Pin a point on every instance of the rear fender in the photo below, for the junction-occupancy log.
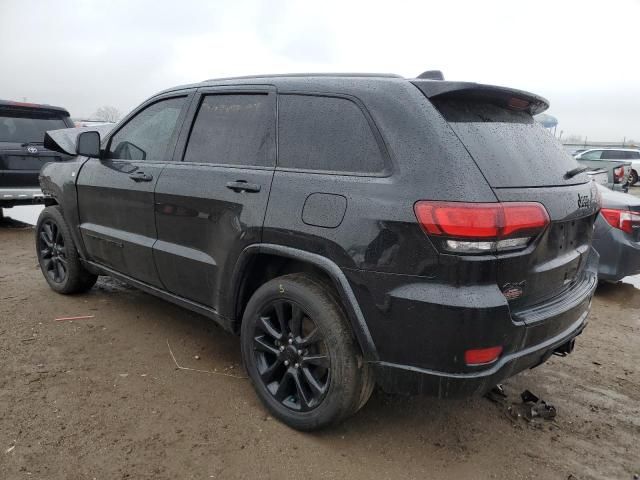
(349, 301)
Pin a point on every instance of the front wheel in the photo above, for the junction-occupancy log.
(57, 254)
(300, 354)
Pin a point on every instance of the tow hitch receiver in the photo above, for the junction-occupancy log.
(565, 349)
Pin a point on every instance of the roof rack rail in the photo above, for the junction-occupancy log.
(280, 75)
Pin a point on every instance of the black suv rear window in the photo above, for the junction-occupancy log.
(509, 146)
(327, 134)
(22, 127)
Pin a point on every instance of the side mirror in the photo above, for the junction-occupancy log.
(88, 144)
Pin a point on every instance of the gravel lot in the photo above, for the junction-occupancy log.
(102, 398)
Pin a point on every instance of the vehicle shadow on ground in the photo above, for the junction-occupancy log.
(8, 222)
(385, 414)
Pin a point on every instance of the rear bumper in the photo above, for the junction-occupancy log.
(10, 197)
(421, 330)
(410, 380)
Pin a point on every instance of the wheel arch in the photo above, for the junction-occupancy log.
(261, 262)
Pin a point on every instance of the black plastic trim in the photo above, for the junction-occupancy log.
(358, 323)
(163, 294)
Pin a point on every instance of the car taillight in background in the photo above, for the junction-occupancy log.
(618, 174)
(624, 220)
(481, 227)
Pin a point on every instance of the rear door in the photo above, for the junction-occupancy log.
(21, 137)
(211, 200)
(524, 163)
(116, 193)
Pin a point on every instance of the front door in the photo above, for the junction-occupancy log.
(211, 201)
(116, 193)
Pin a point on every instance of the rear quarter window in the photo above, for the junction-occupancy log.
(510, 147)
(329, 134)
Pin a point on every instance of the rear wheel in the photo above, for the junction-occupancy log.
(57, 255)
(633, 177)
(300, 354)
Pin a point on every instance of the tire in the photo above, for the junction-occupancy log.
(309, 373)
(57, 255)
(633, 178)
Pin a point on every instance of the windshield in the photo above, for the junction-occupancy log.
(21, 127)
(510, 147)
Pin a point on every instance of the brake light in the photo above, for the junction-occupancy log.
(618, 174)
(482, 227)
(482, 356)
(516, 103)
(621, 219)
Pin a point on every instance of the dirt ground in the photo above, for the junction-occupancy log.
(102, 398)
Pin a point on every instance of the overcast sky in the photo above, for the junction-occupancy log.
(583, 56)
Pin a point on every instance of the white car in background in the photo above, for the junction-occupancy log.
(623, 154)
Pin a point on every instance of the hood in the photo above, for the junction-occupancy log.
(65, 139)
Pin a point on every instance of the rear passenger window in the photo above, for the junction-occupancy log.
(613, 155)
(327, 134)
(234, 129)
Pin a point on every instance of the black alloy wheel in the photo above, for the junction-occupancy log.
(57, 254)
(301, 354)
(291, 355)
(52, 251)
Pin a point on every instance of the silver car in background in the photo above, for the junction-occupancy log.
(614, 161)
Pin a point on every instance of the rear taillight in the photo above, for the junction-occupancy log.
(481, 227)
(621, 219)
(618, 174)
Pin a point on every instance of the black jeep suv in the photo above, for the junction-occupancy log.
(22, 154)
(424, 235)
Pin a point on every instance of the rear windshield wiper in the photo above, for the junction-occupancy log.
(575, 171)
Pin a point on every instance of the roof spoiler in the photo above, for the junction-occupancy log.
(506, 97)
(33, 106)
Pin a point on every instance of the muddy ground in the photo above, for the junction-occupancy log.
(102, 398)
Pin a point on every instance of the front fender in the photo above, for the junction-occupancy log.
(58, 181)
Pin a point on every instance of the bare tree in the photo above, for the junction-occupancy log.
(107, 113)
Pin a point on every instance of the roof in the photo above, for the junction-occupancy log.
(336, 82)
(32, 106)
(617, 149)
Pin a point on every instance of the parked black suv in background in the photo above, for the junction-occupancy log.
(325, 219)
(22, 154)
